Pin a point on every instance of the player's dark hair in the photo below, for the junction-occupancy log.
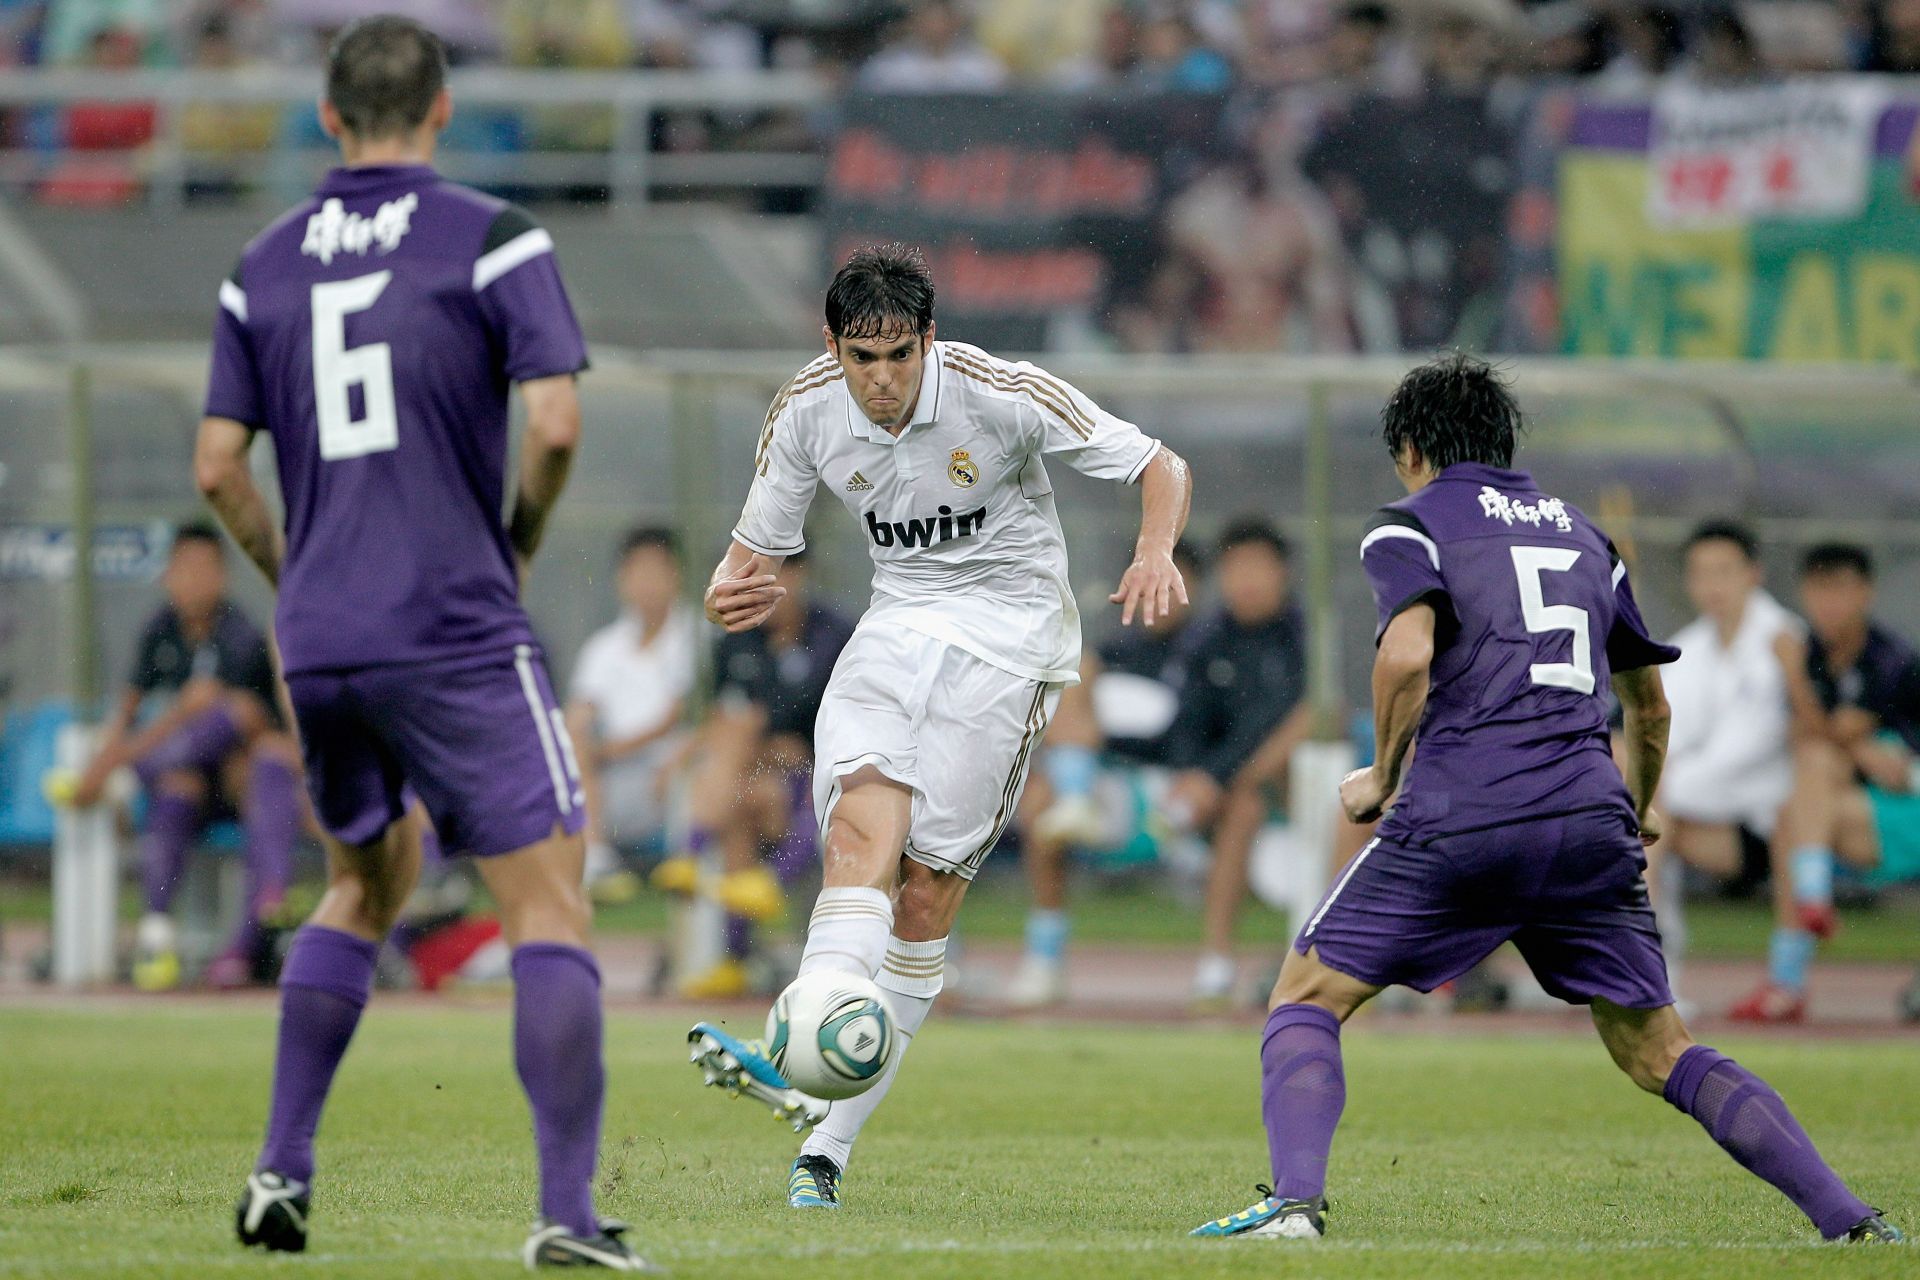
(1249, 531)
(882, 289)
(383, 74)
(1725, 531)
(1837, 557)
(198, 531)
(1454, 408)
(640, 537)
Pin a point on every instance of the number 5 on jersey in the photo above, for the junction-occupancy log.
(1528, 564)
(337, 369)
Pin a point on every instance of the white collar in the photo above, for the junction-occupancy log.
(925, 407)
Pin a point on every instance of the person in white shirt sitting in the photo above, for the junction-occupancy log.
(1735, 692)
(625, 709)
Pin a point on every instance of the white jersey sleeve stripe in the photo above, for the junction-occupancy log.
(753, 544)
(1619, 572)
(522, 248)
(1153, 451)
(234, 299)
(1401, 531)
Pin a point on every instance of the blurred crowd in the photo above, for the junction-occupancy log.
(942, 45)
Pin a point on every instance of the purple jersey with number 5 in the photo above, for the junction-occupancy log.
(374, 332)
(1533, 615)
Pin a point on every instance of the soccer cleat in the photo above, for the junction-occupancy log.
(1271, 1219)
(727, 980)
(1771, 1006)
(814, 1183)
(677, 875)
(741, 1067)
(1039, 984)
(273, 1213)
(1818, 919)
(552, 1245)
(753, 893)
(1875, 1230)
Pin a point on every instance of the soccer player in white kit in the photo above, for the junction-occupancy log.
(938, 702)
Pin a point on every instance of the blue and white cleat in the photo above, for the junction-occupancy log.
(1271, 1219)
(813, 1184)
(742, 1067)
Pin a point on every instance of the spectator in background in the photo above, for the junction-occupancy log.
(1650, 41)
(1736, 691)
(1173, 59)
(932, 52)
(1111, 60)
(74, 27)
(1724, 52)
(1364, 52)
(1034, 39)
(106, 142)
(199, 723)
(1855, 777)
(1103, 777)
(624, 710)
(1242, 712)
(753, 776)
(1893, 37)
(223, 139)
(1567, 39)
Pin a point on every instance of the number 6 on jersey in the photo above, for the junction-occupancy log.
(338, 368)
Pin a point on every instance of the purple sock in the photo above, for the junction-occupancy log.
(1744, 1115)
(272, 821)
(795, 852)
(323, 988)
(739, 937)
(556, 1047)
(172, 820)
(1303, 1089)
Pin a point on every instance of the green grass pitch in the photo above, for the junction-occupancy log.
(1008, 1149)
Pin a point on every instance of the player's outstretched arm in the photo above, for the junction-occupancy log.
(1402, 670)
(220, 469)
(553, 433)
(1643, 704)
(1151, 583)
(742, 592)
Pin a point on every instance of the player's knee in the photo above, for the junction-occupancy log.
(1822, 762)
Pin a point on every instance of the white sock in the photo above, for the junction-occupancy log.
(848, 932)
(911, 977)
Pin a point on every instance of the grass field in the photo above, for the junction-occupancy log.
(1007, 1150)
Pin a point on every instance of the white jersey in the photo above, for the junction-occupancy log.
(957, 509)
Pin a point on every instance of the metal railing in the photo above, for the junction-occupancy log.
(629, 165)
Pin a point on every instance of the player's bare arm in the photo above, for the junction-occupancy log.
(1401, 674)
(1803, 703)
(1643, 704)
(113, 751)
(220, 470)
(742, 592)
(553, 433)
(1152, 582)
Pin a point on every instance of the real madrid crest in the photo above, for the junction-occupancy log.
(962, 471)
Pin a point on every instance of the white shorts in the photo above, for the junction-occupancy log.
(959, 731)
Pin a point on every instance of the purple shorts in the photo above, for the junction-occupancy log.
(1567, 891)
(481, 740)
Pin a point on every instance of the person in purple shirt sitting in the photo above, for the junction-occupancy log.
(1504, 616)
(373, 331)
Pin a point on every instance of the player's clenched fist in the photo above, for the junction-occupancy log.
(741, 598)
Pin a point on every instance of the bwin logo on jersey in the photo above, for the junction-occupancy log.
(944, 527)
(334, 231)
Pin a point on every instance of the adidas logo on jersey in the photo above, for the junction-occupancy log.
(928, 530)
(334, 231)
(859, 484)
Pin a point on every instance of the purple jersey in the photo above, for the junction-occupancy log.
(374, 331)
(1534, 613)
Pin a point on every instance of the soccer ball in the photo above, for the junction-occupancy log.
(831, 1034)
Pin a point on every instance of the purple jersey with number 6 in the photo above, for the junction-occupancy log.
(1533, 615)
(374, 332)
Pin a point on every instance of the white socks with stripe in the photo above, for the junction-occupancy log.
(911, 976)
(848, 932)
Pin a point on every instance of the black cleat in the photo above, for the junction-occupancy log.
(552, 1245)
(273, 1213)
(1875, 1230)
